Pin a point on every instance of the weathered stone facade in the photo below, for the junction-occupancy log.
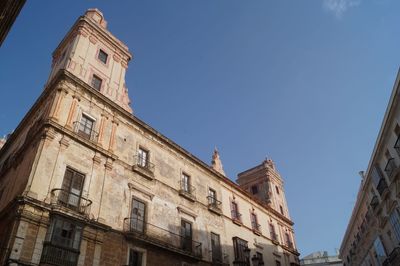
(84, 182)
(373, 234)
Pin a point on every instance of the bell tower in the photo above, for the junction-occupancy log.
(265, 183)
(93, 54)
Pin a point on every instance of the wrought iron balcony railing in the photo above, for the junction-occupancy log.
(220, 259)
(382, 186)
(374, 202)
(274, 236)
(187, 190)
(214, 204)
(84, 132)
(394, 258)
(397, 145)
(153, 234)
(390, 167)
(236, 216)
(256, 227)
(144, 163)
(64, 198)
(57, 255)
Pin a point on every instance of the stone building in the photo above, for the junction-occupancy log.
(9, 11)
(85, 182)
(321, 258)
(373, 234)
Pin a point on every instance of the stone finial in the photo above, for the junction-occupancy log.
(216, 162)
(269, 162)
(97, 16)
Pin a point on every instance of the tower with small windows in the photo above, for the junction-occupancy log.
(90, 52)
(264, 182)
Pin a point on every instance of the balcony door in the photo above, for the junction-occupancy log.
(72, 188)
(216, 248)
(138, 215)
(186, 235)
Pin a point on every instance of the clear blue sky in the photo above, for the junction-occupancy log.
(303, 82)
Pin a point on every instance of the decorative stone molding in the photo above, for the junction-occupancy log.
(64, 142)
(187, 212)
(109, 164)
(145, 192)
(97, 159)
(117, 58)
(49, 134)
(93, 39)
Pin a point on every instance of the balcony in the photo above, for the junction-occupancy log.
(187, 191)
(214, 205)
(236, 217)
(56, 255)
(394, 258)
(151, 234)
(221, 259)
(397, 146)
(374, 202)
(256, 228)
(143, 167)
(390, 167)
(274, 238)
(66, 199)
(83, 131)
(382, 186)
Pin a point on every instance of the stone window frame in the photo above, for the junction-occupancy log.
(82, 113)
(106, 52)
(138, 249)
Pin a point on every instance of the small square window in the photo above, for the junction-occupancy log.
(96, 82)
(277, 190)
(254, 189)
(102, 56)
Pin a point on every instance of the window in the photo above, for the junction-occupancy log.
(278, 263)
(71, 190)
(138, 215)
(143, 158)
(277, 190)
(395, 221)
(212, 196)
(272, 232)
(254, 189)
(186, 237)
(281, 209)
(259, 255)
(62, 242)
(380, 251)
(135, 258)
(85, 128)
(240, 249)
(254, 222)
(235, 211)
(185, 183)
(216, 248)
(288, 241)
(96, 82)
(102, 56)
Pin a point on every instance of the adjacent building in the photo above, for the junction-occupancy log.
(85, 182)
(321, 258)
(9, 10)
(373, 234)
